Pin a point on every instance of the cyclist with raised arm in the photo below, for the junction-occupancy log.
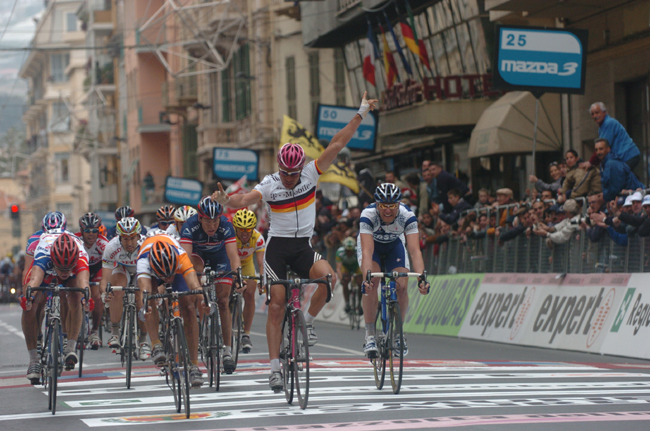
(60, 258)
(119, 269)
(162, 260)
(385, 227)
(249, 242)
(208, 237)
(290, 196)
(347, 268)
(94, 244)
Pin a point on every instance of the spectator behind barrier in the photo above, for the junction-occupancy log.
(563, 230)
(458, 205)
(615, 175)
(445, 182)
(483, 199)
(556, 175)
(578, 182)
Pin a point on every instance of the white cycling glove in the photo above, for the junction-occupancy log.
(221, 197)
(364, 109)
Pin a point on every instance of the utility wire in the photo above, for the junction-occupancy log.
(13, 9)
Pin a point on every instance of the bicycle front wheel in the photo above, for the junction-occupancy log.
(128, 347)
(286, 358)
(353, 302)
(53, 365)
(82, 340)
(395, 346)
(214, 349)
(301, 359)
(379, 363)
(182, 371)
(237, 328)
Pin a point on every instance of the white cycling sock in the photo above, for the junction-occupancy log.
(309, 319)
(72, 344)
(33, 356)
(228, 351)
(275, 365)
(370, 330)
(142, 338)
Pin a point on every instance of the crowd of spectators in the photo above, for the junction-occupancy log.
(601, 197)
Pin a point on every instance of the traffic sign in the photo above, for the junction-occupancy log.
(541, 60)
(232, 164)
(183, 191)
(331, 119)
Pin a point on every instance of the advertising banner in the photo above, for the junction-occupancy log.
(232, 163)
(183, 191)
(630, 329)
(331, 119)
(443, 310)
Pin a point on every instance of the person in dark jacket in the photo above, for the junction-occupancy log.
(597, 211)
(639, 221)
(519, 228)
(615, 175)
(445, 182)
(458, 205)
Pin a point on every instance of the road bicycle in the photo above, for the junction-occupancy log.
(236, 304)
(354, 301)
(52, 352)
(83, 340)
(128, 328)
(294, 349)
(388, 327)
(262, 288)
(177, 368)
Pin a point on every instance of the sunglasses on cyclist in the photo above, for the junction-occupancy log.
(241, 229)
(95, 230)
(164, 223)
(383, 206)
(289, 174)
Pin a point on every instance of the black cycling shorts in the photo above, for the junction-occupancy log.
(294, 252)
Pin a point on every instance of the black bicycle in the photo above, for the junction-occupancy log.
(177, 368)
(128, 328)
(52, 352)
(236, 304)
(294, 349)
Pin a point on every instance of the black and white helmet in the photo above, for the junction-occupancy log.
(89, 221)
(388, 193)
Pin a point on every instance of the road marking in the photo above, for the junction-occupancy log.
(12, 329)
(328, 346)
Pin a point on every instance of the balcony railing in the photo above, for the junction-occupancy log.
(182, 92)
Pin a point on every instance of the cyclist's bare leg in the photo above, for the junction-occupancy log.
(274, 320)
(65, 320)
(197, 263)
(223, 298)
(98, 310)
(151, 322)
(30, 320)
(190, 326)
(117, 302)
(249, 304)
(320, 269)
(402, 292)
(370, 300)
(74, 311)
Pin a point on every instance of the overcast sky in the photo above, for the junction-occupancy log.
(19, 33)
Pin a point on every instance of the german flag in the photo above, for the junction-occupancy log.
(296, 203)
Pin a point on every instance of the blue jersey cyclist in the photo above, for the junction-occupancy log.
(209, 238)
(385, 227)
(290, 197)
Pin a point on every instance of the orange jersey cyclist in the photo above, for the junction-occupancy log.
(289, 194)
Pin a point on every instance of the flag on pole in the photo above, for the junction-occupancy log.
(369, 59)
(422, 49)
(389, 61)
(406, 64)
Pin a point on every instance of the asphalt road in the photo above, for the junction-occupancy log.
(448, 383)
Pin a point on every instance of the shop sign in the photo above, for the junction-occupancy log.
(541, 60)
(437, 88)
(331, 119)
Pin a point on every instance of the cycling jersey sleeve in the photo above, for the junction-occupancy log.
(366, 224)
(184, 265)
(260, 244)
(311, 171)
(228, 231)
(411, 225)
(264, 188)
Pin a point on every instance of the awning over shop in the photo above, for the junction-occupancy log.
(506, 127)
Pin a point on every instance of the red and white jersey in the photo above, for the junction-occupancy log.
(115, 255)
(96, 251)
(42, 256)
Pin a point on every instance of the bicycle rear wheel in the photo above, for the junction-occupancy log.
(396, 353)
(182, 360)
(237, 328)
(53, 365)
(379, 363)
(285, 358)
(301, 359)
(214, 349)
(128, 348)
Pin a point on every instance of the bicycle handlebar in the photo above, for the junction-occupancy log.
(393, 275)
(57, 288)
(327, 281)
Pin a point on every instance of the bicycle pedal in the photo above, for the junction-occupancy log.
(277, 391)
(245, 350)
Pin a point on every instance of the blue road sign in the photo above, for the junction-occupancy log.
(331, 119)
(183, 191)
(232, 164)
(543, 60)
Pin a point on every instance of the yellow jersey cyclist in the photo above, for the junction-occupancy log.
(163, 260)
(347, 267)
(249, 242)
(387, 229)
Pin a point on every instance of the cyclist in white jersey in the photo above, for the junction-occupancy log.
(119, 267)
(290, 197)
(384, 228)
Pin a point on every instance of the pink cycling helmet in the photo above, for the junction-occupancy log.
(291, 156)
